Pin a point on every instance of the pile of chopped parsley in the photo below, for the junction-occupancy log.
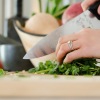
(2, 72)
(85, 66)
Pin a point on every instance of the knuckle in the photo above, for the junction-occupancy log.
(86, 30)
(85, 48)
(60, 40)
(63, 48)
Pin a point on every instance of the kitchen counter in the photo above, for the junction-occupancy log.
(4, 40)
(25, 85)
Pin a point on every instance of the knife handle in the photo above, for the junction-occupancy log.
(94, 9)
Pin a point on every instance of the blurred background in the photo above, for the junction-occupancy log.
(8, 9)
(14, 43)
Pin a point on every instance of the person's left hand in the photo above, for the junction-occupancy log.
(85, 44)
(86, 3)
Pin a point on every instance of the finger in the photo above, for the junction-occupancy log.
(68, 37)
(57, 48)
(65, 39)
(74, 55)
(86, 3)
(64, 49)
(99, 10)
(47, 49)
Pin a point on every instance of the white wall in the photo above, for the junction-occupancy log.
(77, 0)
(9, 8)
(27, 8)
(32, 6)
(1, 16)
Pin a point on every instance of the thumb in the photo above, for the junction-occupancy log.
(99, 10)
(86, 3)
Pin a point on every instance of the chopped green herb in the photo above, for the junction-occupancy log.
(21, 75)
(2, 72)
(55, 76)
(85, 66)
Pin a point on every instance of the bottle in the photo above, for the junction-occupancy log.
(11, 32)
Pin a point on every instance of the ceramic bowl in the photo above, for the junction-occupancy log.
(11, 58)
(29, 40)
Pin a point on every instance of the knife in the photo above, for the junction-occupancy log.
(48, 44)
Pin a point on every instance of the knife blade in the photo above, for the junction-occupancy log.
(48, 44)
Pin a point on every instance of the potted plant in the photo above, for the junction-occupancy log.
(54, 7)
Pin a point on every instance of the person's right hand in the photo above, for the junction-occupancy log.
(85, 44)
(86, 3)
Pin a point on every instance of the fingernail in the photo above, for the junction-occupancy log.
(83, 7)
(99, 10)
(65, 60)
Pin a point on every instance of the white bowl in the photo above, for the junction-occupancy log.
(29, 40)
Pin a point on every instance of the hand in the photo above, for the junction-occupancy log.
(86, 44)
(88, 3)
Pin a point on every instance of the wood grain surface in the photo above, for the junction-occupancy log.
(29, 85)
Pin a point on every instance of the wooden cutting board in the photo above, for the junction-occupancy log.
(30, 85)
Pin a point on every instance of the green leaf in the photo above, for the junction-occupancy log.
(33, 14)
(67, 71)
(40, 5)
(60, 12)
(85, 68)
(2, 72)
(57, 8)
(57, 2)
(32, 70)
(53, 11)
(62, 68)
(64, 7)
(75, 70)
(47, 7)
(41, 66)
(55, 76)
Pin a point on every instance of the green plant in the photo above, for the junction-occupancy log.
(57, 8)
(2, 72)
(53, 7)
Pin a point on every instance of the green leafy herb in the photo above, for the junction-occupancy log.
(40, 5)
(85, 66)
(22, 75)
(2, 72)
(33, 14)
